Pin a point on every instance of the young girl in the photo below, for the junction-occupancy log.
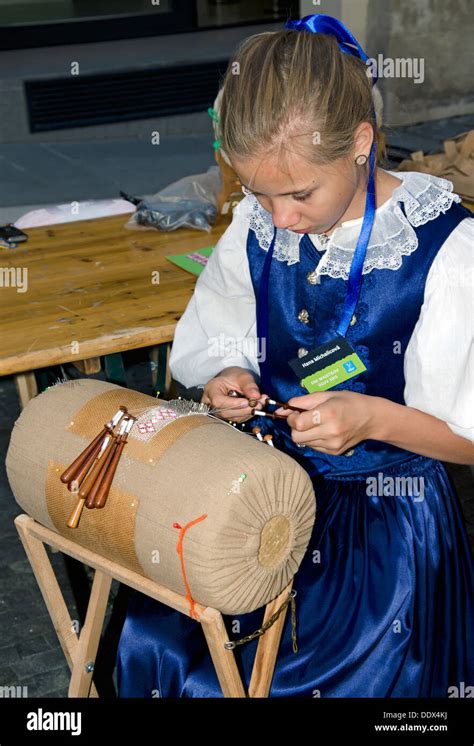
(325, 248)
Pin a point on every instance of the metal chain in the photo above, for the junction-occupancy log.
(231, 644)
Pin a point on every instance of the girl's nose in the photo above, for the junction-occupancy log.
(284, 216)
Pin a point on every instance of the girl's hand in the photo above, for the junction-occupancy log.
(238, 410)
(335, 420)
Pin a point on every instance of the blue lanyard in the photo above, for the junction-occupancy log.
(357, 264)
(355, 275)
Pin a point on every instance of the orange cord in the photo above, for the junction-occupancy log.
(180, 550)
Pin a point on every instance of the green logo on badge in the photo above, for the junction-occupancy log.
(338, 372)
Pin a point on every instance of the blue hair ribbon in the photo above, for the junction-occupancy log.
(323, 24)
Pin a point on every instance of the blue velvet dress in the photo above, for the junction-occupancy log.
(385, 592)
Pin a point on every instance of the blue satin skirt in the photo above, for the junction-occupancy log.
(384, 604)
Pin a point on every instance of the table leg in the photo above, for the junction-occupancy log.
(115, 369)
(160, 370)
(89, 366)
(26, 387)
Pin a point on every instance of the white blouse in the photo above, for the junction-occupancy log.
(218, 327)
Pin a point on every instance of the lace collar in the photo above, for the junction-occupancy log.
(423, 196)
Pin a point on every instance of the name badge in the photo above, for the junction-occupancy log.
(327, 365)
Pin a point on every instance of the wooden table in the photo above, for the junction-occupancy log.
(92, 290)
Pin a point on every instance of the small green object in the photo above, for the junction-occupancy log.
(190, 265)
(242, 477)
(216, 144)
(213, 114)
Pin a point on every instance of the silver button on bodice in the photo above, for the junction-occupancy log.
(302, 352)
(303, 316)
(353, 320)
(313, 278)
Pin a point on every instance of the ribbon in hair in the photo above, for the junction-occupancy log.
(324, 24)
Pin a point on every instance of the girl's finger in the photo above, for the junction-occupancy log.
(227, 407)
(302, 421)
(251, 390)
(283, 410)
(310, 439)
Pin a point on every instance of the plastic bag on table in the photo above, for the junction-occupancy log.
(190, 202)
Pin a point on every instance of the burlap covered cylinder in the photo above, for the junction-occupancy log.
(251, 536)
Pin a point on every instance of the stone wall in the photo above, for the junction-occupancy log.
(434, 37)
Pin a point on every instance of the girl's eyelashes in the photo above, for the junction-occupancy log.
(298, 198)
(302, 197)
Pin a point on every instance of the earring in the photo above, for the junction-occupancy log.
(361, 160)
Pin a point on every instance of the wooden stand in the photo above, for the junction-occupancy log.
(81, 651)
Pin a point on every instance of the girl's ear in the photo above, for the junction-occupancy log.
(363, 139)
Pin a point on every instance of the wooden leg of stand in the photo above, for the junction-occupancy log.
(224, 660)
(84, 660)
(82, 651)
(267, 650)
(51, 592)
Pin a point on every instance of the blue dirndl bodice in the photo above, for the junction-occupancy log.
(389, 306)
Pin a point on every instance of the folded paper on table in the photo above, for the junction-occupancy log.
(193, 262)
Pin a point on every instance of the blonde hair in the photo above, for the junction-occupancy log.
(294, 91)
